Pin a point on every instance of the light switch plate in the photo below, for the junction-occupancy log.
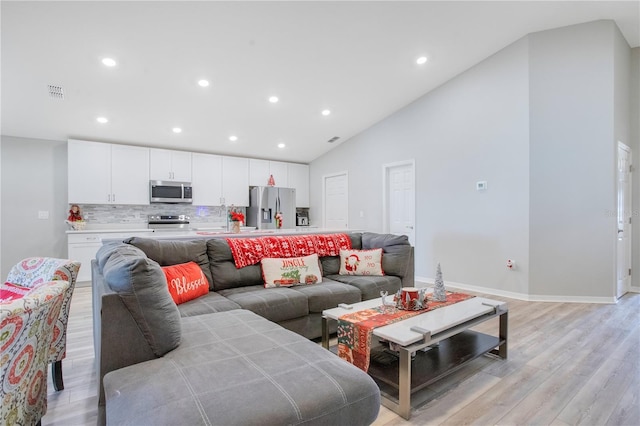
(43, 214)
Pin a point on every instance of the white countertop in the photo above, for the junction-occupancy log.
(109, 230)
(186, 234)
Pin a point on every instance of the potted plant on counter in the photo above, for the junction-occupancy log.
(236, 218)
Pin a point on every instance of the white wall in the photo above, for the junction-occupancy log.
(536, 121)
(622, 114)
(635, 146)
(572, 161)
(34, 178)
(473, 128)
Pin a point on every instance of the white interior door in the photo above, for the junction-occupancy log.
(400, 202)
(335, 200)
(624, 220)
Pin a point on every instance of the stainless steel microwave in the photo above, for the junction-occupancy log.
(161, 191)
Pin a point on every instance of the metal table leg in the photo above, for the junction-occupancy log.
(325, 333)
(404, 384)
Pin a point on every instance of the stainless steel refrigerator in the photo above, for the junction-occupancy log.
(266, 201)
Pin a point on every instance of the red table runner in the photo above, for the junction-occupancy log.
(355, 329)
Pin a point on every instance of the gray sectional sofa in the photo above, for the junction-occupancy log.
(240, 354)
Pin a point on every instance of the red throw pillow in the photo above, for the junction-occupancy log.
(10, 291)
(186, 281)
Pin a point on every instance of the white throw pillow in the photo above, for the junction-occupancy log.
(290, 271)
(361, 262)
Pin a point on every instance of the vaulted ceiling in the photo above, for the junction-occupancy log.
(355, 59)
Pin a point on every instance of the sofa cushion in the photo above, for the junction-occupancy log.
(291, 271)
(397, 251)
(330, 265)
(207, 304)
(275, 304)
(236, 368)
(370, 286)
(223, 269)
(185, 281)
(167, 252)
(328, 294)
(142, 286)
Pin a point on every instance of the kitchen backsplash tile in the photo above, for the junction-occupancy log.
(113, 213)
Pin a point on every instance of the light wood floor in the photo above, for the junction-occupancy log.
(569, 364)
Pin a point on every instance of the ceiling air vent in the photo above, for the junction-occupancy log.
(333, 139)
(56, 92)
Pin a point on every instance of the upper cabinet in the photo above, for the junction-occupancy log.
(235, 181)
(261, 170)
(299, 179)
(206, 172)
(280, 173)
(102, 173)
(167, 164)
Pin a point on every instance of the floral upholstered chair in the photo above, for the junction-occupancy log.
(32, 272)
(26, 331)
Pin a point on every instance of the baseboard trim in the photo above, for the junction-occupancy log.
(425, 282)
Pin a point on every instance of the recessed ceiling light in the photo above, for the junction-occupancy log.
(109, 62)
(177, 130)
(281, 145)
(326, 112)
(233, 138)
(102, 120)
(273, 99)
(421, 60)
(203, 83)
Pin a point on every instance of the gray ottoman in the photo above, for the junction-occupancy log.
(237, 368)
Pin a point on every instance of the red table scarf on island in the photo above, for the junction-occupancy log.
(355, 329)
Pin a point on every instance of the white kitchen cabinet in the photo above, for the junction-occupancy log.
(280, 173)
(102, 173)
(235, 181)
(84, 246)
(166, 164)
(206, 172)
(261, 170)
(258, 172)
(299, 179)
(88, 172)
(129, 174)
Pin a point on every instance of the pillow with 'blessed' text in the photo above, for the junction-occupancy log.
(186, 281)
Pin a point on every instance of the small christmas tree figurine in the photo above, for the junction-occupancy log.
(439, 294)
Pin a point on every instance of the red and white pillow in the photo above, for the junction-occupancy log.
(290, 271)
(361, 262)
(10, 291)
(186, 281)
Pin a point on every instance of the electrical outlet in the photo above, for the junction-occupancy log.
(43, 214)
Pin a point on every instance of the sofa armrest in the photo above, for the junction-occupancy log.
(121, 340)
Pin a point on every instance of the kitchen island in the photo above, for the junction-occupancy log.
(83, 245)
(192, 233)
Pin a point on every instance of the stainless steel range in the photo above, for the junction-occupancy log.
(168, 222)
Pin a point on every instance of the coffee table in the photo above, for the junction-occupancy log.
(445, 335)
